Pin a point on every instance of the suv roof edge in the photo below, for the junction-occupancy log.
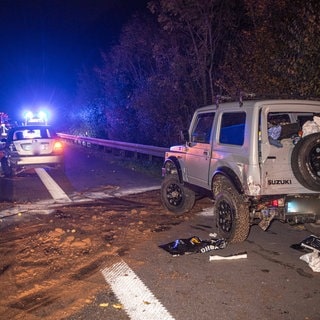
(254, 103)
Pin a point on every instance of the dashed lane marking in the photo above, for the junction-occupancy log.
(54, 189)
(138, 301)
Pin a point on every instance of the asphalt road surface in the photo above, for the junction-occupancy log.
(97, 256)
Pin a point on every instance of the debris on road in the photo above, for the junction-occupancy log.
(312, 243)
(104, 305)
(237, 256)
(313, 260)
(193, 245)
(57, 256)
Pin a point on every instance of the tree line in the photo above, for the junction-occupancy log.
(184, 54)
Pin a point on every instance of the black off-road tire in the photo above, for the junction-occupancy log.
(231, 212)
(6, 168)
(305, 161)
(175, 196)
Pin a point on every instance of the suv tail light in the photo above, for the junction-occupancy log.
(276, 203)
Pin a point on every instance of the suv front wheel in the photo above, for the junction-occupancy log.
(231, 211)
(175, 196)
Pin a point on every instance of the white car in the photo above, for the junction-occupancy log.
(33, 146)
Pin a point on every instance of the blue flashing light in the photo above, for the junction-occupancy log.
(36, 118)
(28, 115)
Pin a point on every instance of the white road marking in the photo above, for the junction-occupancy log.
(119, 193)
(48, 206)
(54, 189)
(138, 301)
(206, 212)
(28, 208)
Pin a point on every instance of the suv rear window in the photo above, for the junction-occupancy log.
(232, 128)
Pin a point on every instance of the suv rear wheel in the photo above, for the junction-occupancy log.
(231, 211)
(175, 196)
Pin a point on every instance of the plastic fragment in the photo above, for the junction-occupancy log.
(313, 260)
(232, 257)
(193, 245)
(104, 305)
(311, 243)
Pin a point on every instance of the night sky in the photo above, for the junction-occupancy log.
(44, 44)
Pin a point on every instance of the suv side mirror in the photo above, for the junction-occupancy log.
(185, 135)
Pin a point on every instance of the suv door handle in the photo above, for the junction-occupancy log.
(205, 153)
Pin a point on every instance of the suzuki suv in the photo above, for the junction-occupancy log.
(257, 160)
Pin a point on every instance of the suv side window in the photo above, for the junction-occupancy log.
(232, 128)
(202, 130)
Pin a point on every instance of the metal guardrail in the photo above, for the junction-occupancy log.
(119, 145)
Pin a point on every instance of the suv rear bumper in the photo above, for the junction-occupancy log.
(301, 210)
(294, 210)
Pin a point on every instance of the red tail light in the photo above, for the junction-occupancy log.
(276, 203)
(58, 146)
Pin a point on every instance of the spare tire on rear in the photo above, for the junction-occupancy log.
(305, 161)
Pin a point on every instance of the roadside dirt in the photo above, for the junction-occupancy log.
(49, 267)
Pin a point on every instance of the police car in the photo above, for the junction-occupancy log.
(32, 145)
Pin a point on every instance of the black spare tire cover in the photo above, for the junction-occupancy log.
(305, 161)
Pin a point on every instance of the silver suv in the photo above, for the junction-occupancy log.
(258, 160)
(31, 147)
